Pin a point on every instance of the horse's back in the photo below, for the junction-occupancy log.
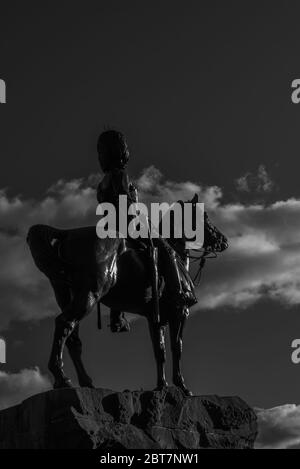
(42, 237)
(44, 241)
(78, 246)
(82, 247)
(71, 249)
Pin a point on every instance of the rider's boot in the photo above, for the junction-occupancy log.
(118, 321)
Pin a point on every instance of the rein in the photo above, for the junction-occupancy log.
(202, 260)
(205, 255)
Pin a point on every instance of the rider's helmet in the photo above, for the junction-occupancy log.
(113, 151)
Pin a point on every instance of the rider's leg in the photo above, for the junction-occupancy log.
(168, 264)
(118, 321)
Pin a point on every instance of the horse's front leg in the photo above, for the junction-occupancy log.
(176, 326)
(157, 333)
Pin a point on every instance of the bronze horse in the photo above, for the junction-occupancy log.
(84, 270)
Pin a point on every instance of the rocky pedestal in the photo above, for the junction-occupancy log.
(107, 420)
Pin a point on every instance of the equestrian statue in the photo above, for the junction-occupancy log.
(147, 277)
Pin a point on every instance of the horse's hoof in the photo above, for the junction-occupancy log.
(161, 387)
(63, 383)
(87, 384)
(183, 389)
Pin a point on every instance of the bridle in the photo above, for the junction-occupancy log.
(205, 255)
(191, 255)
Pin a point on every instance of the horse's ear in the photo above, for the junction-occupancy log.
(195, 199)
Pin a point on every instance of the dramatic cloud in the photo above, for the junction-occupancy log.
(154, 188)
(15, 387)
(263, 259)
(279, 428)
(24, 292)
(259, 182)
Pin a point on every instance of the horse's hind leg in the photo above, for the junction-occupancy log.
(74, 345)
(63, 297)
(157, 333)
(62, 293)
(81, 304)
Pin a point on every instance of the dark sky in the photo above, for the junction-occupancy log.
(203, 93)
(207, 88)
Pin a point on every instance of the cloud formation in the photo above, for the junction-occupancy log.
(260, 182)
(154, 188)
(15, 387)
(24, 292)
(263, 259)
(279, 427)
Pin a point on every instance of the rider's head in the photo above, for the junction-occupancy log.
(112, 150)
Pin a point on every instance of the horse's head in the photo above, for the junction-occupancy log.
(214, 240)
